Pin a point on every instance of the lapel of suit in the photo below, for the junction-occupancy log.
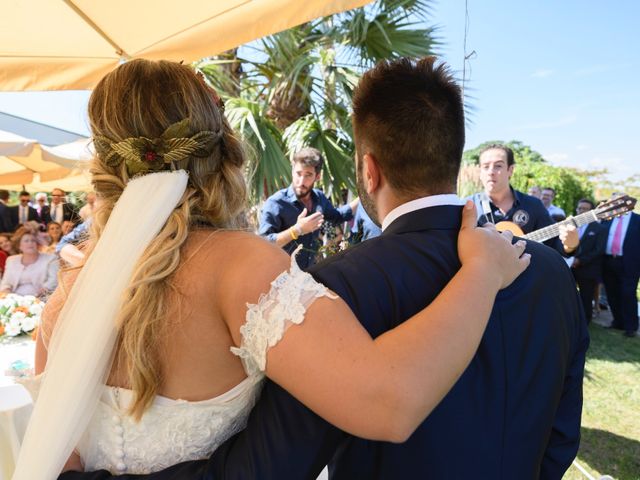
(591, 228)
(633, 231)
(443, 217)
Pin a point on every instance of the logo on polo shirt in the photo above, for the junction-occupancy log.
(520, 217)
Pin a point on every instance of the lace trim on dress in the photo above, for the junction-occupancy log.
(285, 304)
(170, 431)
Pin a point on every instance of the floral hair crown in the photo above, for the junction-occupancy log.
(144, 155)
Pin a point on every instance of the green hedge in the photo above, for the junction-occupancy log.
(569, 185)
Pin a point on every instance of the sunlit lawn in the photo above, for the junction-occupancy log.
(611, 416)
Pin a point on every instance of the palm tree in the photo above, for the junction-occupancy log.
(293, 89)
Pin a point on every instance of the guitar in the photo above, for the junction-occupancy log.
(605, 211)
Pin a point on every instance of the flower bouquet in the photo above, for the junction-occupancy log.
(19, 314)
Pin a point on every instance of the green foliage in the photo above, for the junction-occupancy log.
(569, 184)
(294, 88)
(268, 166)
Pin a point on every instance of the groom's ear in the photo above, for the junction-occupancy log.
(371, 173)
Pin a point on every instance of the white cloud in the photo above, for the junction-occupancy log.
(582, 147)
(542, 73)
(561, 122)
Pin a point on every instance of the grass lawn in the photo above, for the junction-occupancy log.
(611, 416)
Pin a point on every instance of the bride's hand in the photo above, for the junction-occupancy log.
(490, 251)
(74, 464)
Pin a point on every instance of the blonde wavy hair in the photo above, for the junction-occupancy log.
(142, 98)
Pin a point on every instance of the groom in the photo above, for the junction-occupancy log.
(515, 412)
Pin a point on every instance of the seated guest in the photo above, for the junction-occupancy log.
(6, 249)
(3, 261)
(30, 272)
(54, 234)
(6, 245)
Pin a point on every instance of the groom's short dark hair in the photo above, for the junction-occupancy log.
(409, 115)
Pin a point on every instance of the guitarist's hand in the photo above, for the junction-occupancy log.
(490, 253)
(569, 237)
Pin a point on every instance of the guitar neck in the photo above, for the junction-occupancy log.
(552, 231)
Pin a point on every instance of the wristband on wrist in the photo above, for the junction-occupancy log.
(294, 233)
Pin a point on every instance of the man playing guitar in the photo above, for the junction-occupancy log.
(501, 202)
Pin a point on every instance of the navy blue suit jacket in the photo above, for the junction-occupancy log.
(12, 220)
(591, 253)
(630, 246)
(4, 220)
(514, 413)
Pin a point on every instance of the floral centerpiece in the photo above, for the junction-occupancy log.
(19, 314)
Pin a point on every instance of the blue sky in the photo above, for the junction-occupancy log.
(557, 75)
(560, 76)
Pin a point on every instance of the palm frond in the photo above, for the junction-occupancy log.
(268, 168)
(217, 76)
(420, 9)
(294, 89)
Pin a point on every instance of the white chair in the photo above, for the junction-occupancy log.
(15, 410)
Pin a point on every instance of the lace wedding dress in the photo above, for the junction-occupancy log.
(174, 431)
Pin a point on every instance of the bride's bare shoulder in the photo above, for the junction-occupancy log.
(244, 250)
(240, 258)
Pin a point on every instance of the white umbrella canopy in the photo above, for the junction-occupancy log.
(77, 181)
(24, 162)
(72, 44)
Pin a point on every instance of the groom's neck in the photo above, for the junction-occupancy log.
(389, 199)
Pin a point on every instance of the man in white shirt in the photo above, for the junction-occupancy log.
(621, 271)
(87, 210)
(60, 210)
(21, 213)
(547, 196)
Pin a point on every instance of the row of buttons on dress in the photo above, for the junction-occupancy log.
(119, 431)
(119, 439)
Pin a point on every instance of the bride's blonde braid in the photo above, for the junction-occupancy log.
(122, 106)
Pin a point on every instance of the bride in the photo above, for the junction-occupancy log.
(153, 352)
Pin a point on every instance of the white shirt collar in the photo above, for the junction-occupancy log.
(419, 203)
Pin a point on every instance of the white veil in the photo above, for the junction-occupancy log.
(81, 350)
